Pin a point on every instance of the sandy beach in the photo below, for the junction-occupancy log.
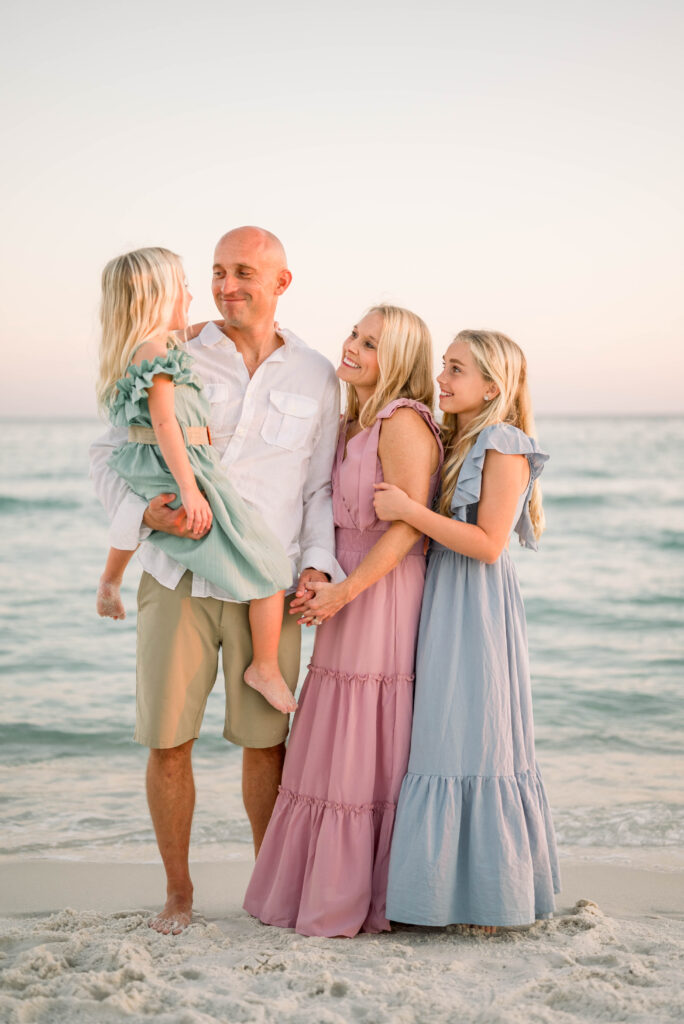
(75, 947)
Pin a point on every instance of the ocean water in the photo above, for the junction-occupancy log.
(605, 604)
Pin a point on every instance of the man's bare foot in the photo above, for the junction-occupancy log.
(109, 604)
(267, 680)
(175, 917)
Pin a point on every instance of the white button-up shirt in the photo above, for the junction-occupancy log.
(276, 434)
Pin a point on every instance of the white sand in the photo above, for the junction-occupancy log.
(614, 952)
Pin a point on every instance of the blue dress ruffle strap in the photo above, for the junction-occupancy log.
(509, 440)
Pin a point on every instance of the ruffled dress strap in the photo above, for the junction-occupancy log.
(420, 408)
(509, 440)
(131, 390)
(370, 455)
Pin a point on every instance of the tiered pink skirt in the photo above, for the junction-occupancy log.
(323, 865)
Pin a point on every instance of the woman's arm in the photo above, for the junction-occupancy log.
(160, 399)
(408, 454)
(504, 478)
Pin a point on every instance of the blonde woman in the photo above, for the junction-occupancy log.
(474, 843)
(322, 868)
(146, 383)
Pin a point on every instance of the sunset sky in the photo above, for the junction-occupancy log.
(510, 166)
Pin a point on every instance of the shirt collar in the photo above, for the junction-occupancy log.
(291, 341)
(211, 335)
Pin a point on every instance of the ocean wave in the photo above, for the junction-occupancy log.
(25, 741)
(583, 500)
(596, 623)
(602, 741)
(73, 834)
(10, 504)
(621, 825)
(669, 540)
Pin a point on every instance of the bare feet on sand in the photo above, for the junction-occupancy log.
(109, 604)
(267, 680)
(175, 917)
(482, 929)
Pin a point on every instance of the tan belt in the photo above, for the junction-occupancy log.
(146, 435)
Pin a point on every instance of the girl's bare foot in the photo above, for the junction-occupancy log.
(267, 680)
(109, 604)
(175, 917)
(482, 929)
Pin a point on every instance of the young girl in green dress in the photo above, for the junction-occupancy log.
(146, 383)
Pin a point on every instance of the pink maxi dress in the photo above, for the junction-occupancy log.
(322, 868)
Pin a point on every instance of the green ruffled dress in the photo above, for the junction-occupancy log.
(239, 554)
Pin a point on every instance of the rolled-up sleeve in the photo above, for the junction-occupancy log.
(124, 508)
(317, 536)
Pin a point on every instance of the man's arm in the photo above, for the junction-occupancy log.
(131, 518)
(317, 535)
(124, 508)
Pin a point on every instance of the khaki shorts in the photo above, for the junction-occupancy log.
(179, 639)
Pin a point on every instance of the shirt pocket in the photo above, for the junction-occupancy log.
(215, 396)
(214, 392)
(289, 419)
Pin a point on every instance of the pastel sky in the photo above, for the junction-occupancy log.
(517, 166)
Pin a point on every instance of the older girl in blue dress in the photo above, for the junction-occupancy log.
(473, 841)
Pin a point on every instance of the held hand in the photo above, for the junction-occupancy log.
(158, 516)
(390, 502)
(197, 510)
(327, 600)
(304, 593)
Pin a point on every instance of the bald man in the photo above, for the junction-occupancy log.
(274, 418)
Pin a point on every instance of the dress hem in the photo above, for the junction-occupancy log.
(446, 923)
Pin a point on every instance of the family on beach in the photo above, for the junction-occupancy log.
(409, 790)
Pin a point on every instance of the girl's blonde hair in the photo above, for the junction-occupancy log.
(404, 362)
(501, 362)
(139, 293)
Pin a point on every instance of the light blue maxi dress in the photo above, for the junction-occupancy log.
(240, 554)
(473, 840)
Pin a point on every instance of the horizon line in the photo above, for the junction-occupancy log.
(93, 417)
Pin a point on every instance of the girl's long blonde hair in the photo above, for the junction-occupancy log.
(503, 363)
(404, 362)
(139, 293)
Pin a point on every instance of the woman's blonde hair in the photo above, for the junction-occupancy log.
(503, 363)
(404, 362)
(139, 293)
